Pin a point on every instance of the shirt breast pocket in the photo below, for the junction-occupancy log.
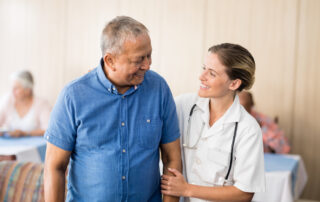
(149, 132)
(214, 166)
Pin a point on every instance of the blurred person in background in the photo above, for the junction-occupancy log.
(21, 112)
(274, 140)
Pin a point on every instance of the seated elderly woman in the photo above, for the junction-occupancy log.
(21, 113)
(274, 140)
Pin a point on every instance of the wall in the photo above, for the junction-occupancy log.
(59, 41)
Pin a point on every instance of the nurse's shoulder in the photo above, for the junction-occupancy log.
(185, 102)
(249, 123)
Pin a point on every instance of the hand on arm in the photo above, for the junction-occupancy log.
(55, 167)
(177, 186)
(171, 158)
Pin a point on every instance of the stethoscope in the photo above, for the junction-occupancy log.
(194, 146)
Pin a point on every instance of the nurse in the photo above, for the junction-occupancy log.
(221, 142)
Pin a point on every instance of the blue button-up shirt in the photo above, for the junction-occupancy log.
(114, 138)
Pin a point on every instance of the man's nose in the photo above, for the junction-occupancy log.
(146, 64)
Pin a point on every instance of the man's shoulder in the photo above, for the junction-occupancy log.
(153, 81)
(153, 77)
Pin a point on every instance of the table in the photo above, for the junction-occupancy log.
(286, 178)
(26, 149)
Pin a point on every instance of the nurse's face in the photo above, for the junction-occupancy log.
(215, 82)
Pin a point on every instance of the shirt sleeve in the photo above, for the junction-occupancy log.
(62, 125)
(249, 165)
(170, 129)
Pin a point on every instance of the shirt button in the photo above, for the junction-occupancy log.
(123, 177)
(198, 161)
(109, 89)
(122, 123)
(148, 120)
(113, 88)
(124, 151)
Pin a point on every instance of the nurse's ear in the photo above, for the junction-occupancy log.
(235, 84)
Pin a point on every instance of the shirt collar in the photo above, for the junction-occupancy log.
(232, 115)
(107, 83)
(234, 112)
(203, 105)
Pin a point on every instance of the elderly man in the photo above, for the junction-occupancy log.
(111, 122)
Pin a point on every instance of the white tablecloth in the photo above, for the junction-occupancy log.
(279, 184)
(26, 149)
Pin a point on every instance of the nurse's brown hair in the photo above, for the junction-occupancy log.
(239, 62)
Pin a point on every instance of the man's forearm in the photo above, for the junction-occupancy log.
(54, 185)
(173, 164)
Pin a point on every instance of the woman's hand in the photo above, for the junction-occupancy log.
(17, 133)
(174, 185)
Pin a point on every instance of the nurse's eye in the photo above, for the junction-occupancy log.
(212, 74)
(204, 68)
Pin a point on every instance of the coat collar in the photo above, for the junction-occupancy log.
(232, 115)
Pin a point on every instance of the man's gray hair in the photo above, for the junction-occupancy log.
(24, 77)
(117, 31)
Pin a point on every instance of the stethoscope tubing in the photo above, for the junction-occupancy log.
(184, 146)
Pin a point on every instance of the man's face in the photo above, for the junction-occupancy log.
(132, 63)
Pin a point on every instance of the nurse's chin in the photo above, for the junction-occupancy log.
(204, 93)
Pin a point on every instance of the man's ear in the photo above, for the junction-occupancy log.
(109, 61)
(235, 84)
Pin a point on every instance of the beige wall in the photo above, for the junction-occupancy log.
(59, 41)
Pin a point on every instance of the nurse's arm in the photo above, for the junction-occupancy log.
(177, 186)
(226, 193)
(55, 167)
(171, 158)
